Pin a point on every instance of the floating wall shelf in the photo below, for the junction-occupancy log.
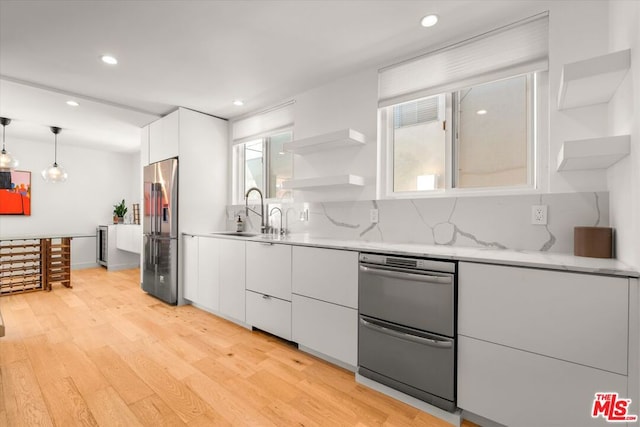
(339, 139)
(594, 153)
(324, 182)
(592, 81)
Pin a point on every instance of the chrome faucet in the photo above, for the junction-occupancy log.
(282, 231)
(263, 224)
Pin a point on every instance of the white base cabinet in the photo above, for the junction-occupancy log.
(270, 314)
(327, 328)
(190, 267)
(129, 237)
(213, 274)
(232, 278)
(534, 346)
(208, 273)
(269, 269)
(325, 302)
(518, 388)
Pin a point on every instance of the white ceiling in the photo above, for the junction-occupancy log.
(202, 55)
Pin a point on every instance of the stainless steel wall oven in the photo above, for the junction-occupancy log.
(407, 326)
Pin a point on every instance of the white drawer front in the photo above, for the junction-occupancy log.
(269, 269)
(326, 328)
(326, 274)
(517, 388)
(270, 314)
(580, 318)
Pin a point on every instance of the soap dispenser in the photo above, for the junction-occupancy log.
(239, 225)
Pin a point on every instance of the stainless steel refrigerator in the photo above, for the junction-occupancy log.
(160, 229)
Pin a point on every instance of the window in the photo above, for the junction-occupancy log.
(463, 118)
(264, 164)
(490, 145)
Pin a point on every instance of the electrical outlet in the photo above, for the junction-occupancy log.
(373, 216)
(539, 214)
(304, 215)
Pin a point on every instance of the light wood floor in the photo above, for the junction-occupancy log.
(105, 353)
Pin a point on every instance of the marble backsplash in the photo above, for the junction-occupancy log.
(497, 222)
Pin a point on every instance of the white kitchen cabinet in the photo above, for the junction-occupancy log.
(325, 302)
(164, 137)
(326, 328)
(144, 146)
(269, 314)
(326, 274)
(190, 267)
(232, 278)
(129, 237)
(518, 388)
(208, 273)
(579, 318)
(269, 270)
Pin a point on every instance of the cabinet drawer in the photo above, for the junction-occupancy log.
(580, 318)
(269, 269)
(514, 387)
(269, 314)
(326, 274)
(326, 328)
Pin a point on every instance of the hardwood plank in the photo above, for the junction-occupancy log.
(128, 385)
(24, 402)
(152, 411)
(109, 410)
(44, 362)
(82, 370)
(66, 406)
(175, 394)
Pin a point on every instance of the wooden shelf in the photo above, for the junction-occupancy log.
(324, 182)
(340, 139)
(592, 81)
(594, 153)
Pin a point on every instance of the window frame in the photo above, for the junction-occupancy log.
(537, 141)
(239, 162)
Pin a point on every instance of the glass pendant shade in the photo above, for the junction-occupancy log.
(55, 172)
(7, 161)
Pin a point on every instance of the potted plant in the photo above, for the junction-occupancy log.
(119, 211)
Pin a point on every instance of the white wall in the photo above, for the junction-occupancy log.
(624, 109)
(97, 180)
(350, 102)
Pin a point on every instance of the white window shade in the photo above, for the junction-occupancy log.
(515, 49)
(262, 123)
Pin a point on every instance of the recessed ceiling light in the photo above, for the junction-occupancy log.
(481, 112)
(108, 59)
(238, 103)
(429, 21)
(72, 103)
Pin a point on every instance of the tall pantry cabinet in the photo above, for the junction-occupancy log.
(200, 142)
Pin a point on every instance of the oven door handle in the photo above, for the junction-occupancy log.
(405, 275)
(433, 342)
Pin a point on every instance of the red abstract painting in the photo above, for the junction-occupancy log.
(15, 193)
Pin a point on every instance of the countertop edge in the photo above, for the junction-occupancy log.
(540, 260)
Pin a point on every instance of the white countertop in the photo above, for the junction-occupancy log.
(547, 260)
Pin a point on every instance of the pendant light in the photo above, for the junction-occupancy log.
(55, 172)
(7, 161)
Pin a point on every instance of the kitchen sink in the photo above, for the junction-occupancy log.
(235, 233)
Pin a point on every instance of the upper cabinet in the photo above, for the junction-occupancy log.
(589, 82)
(333, 140)
(164, 137)
(592, 81)
(144, 145)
